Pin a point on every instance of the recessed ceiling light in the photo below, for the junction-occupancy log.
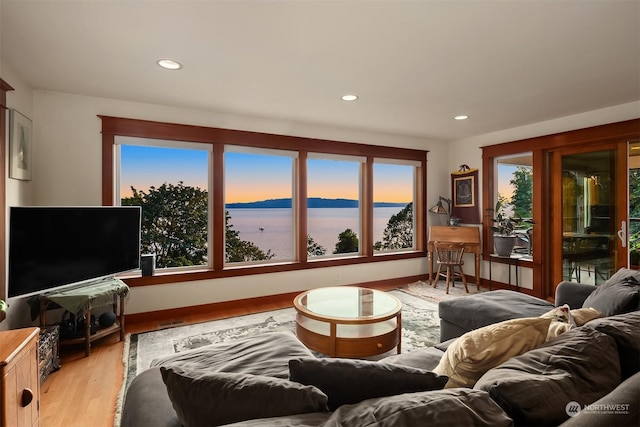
(169, 64)
(349, 97)
(461, 117)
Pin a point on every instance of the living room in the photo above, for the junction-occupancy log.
(67, 160)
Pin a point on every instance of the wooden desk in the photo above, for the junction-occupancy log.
(470, 236)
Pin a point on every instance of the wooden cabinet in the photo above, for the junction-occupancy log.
(19, 378)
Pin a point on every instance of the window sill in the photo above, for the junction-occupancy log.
(165, 277)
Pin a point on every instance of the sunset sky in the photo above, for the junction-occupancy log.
(254, 177)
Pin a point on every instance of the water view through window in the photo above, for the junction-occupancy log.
(170, 180)
(270, 228)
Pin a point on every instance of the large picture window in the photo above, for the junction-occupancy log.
(258, 203)
(333, 205)
(220, 203)
(393, 201)
(170, 181)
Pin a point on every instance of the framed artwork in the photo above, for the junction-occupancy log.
(463, 192)
(20, 137)
(464, 195)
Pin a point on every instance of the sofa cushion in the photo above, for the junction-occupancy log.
(475, 311)
(477, 351)
(147, 402)
(619, 294)
(217, 398)
(454, 407)
(618, 408)
(350, 381)
(625, 330)
(535, 388)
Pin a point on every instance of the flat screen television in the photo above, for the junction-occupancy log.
(55, 247)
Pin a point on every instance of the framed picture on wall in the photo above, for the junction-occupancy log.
(20, 137)
(463, 192)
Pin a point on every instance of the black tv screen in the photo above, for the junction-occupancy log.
(53, 247)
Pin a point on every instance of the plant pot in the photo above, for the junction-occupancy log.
(504, 244)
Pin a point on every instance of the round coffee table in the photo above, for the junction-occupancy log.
(348, 321)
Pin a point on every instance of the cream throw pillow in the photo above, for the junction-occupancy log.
(475, 352)
(557, 328)
(584, 315)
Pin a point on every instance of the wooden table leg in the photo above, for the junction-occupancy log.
(478, 271)
(332, 339)
(399, 325)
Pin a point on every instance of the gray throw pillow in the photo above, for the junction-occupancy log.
(347, 381)
(619, 294)
(450, 407)
(625, 329)
(217, 398)
(579, 366)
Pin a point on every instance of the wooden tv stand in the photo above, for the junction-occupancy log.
(103, 293)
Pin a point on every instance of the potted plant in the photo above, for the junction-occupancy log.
(504, 226)
(3, 310)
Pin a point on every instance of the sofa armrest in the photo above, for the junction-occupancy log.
(573, 294)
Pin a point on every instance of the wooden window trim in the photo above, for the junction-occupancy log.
(117, 126)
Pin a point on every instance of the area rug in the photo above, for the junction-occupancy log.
(420, 328)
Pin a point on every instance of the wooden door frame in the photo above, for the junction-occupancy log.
(541, 147)
(4, 88)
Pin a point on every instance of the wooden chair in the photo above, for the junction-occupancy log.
(449, 256)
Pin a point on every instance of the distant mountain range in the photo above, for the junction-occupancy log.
(312, 202)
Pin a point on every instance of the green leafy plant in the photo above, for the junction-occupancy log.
(3, 306)
(505, 224)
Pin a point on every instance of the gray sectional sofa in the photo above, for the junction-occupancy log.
(585, 376)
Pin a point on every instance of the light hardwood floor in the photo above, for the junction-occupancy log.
(83, 392)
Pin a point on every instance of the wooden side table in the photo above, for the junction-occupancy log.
(19, 378)
(81, 301)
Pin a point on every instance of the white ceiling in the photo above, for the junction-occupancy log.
(414, 64)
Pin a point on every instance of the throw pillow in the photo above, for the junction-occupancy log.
(475, 352)
(535, 388)
(556, 329)
(560, 314)
(459, 407)
(584, 315)
(618, 295)
(625, 330)
(347, 381)
(217, 398)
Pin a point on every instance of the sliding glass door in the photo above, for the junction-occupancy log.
(589, 213)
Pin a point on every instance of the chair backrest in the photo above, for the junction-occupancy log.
(449, 252)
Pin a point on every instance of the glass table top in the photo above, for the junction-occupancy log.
(349, 302)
